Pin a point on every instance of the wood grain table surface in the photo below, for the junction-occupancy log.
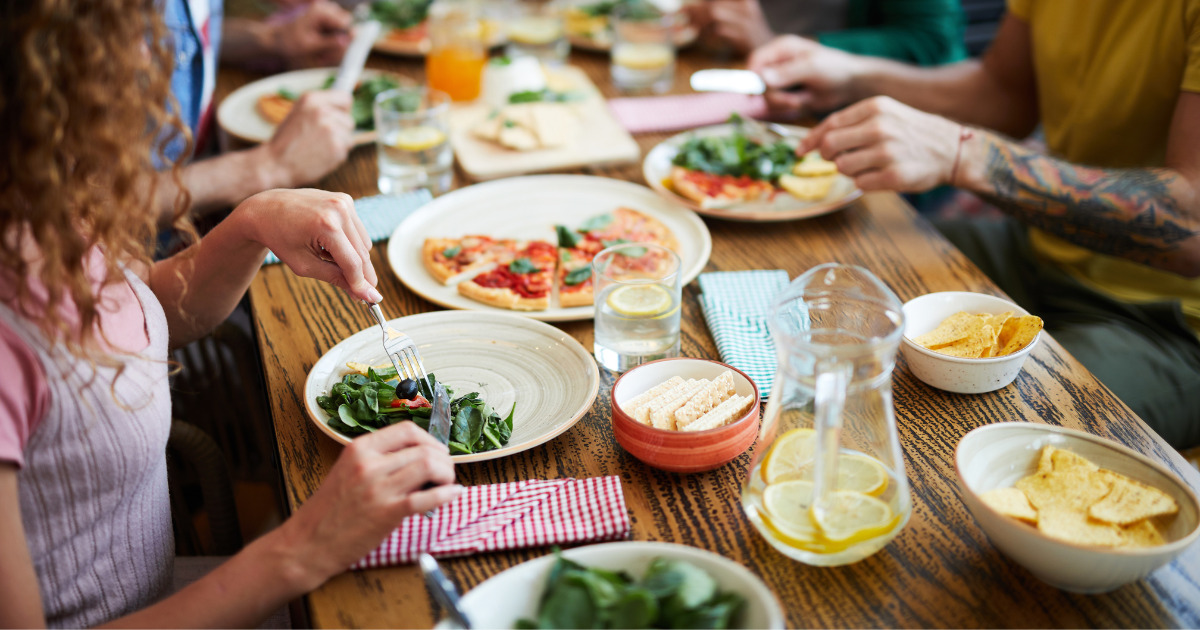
(940, 571)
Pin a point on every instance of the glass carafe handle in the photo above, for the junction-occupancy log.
(832, 381)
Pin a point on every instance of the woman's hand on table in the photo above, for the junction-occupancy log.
(314, 139)
(885, 145)
(317, 234)
(804, 77)
(375, 483)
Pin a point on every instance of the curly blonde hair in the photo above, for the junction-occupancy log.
(84, 89)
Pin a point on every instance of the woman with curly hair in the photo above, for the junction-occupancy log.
(86, 318)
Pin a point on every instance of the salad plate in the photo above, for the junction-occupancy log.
(514, 594)
(405, 29)
(528, 208)
(513, 362)
(239, 115)
(782, 206)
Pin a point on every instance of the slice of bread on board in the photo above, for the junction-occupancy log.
(705, 400)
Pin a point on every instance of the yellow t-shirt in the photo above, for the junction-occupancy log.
(1109, 73)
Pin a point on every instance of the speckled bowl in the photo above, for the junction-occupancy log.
(957, 374)
(682, 451)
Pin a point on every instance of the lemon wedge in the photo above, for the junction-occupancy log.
(641, 300)
(852, 517)
(419, 138)
(860, 473)
(790, 456)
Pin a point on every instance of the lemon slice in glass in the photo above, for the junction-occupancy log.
(642, 56)
(853, 517)
(790, 456)
(640, 300)
(787, 506)
(418, 138)
(534, 31)
(860, 473)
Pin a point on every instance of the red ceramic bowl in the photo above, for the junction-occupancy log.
(682, 451)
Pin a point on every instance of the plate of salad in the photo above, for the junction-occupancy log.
(405, 27)
(514, 383)
(740, 171)
(252, 112)
(629, 584)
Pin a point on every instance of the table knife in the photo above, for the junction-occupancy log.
(365, 34)
(439, 417)
(443, 591)
(725, 80)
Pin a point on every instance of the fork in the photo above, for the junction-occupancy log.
(402, 351)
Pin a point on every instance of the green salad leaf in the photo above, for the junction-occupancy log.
(544, 96)
(361, 404)
(400, 14)
(672, 594)
(736, 155)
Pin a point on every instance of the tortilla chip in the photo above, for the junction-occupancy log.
(1010, 502)
(1066, 461)
(1046, 459)
(1074, 489)
(1130, 501)
(954, 328)
(1074, 526)
(973, 346)
(1017, 333)
(1141, 534)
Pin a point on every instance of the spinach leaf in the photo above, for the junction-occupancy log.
(597, 222)
(736, 155)
(452, 251)
(456, 448)
(522, 265)
(501, 61)
(569, 606)
(637, 608)
(577, 276)
(566, 238)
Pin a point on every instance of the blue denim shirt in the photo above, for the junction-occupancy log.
(187, 78)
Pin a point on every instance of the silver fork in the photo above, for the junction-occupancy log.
(402, 351)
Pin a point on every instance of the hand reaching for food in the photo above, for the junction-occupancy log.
(314, 139)
(804, 77)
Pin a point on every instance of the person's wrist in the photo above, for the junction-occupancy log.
(295, 561)
(269, 170)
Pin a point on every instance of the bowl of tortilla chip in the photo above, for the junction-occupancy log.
(967, 343)
(1080, 512)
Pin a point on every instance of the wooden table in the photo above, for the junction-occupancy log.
(940, 571)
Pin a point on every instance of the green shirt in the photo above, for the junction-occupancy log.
(924, 32)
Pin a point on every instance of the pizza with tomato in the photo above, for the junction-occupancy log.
(525, 275)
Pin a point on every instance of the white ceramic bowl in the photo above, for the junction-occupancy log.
(956, 374)
(514, 594)
(997, 455)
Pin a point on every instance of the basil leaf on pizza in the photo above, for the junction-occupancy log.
(566, 238)
(577, 276)
(452, 251)
(522, 265)
(597, 222)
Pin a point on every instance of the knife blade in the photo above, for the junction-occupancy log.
(439, 417)
(355, 58)
(443, 591)
(726, 80)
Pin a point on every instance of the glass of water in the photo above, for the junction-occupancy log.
(536, 28)
(643, 51)
(638, 301)
(412, 141)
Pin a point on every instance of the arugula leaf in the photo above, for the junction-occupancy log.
(577, 276)
(597, 222)
(566, 238)
(288, 94)
(527, 96)
(452, 251)
(522, 265)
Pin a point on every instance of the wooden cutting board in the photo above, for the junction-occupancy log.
(601, 139)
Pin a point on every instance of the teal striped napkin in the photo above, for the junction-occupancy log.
(381, 214)
(736, 305)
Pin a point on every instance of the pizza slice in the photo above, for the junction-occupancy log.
(523, 284)
(447, 259)
(718, 191)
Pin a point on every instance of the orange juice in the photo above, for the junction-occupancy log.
(457, 71)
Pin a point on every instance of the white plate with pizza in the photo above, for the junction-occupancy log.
(543, 375)
(252, 112)
(821, 188)
(525, 243)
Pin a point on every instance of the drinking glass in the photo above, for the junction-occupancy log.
(826, 484)
(643, 51)
(536, 28)
(637, 288)
(412, 145)
(457, 50)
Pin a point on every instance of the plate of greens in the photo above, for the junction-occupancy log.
(242, 113)
(731, 150)
(514, 383)
(624, 585)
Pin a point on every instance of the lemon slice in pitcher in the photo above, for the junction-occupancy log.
(640, 300)
(853, 517)
(860, 473)
(790, 456)
(418, 138)
(787, 505)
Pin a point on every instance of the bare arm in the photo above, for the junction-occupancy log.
(219, 182)
(998, 92)
(317, 36)
(20, 599)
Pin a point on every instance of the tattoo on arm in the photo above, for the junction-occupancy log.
(1138, 214)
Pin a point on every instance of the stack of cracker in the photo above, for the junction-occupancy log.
(691, 405)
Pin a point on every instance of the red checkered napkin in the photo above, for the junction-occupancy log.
(532, 513)
(685, 111)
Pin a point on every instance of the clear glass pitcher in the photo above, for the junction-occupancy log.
(827, 484)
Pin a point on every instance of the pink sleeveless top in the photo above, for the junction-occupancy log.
(93, 485)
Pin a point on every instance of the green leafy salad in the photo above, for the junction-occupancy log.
(362, 108)
(736, 155)
(364, 403)
(672, 594)
(637, 8)
(400, 14)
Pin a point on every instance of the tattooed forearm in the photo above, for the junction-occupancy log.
(1139, 214)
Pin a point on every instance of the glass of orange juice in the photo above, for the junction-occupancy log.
(457, 51)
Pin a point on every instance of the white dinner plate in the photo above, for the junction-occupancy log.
(502, 599)
(656, 168)
(506, 358)
(529, 207)
(238, 113)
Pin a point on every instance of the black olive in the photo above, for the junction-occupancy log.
(407, 389)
